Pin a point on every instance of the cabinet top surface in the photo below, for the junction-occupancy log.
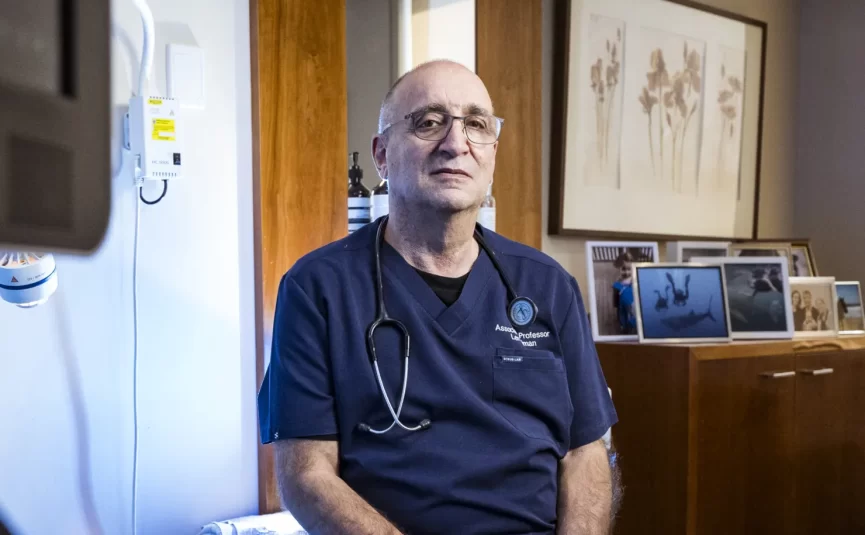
(747, 348)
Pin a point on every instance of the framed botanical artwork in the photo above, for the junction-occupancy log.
(611, 296)
(680, 85)
(850, 318)
(681, 303)
(758, 296)
(681, 252)
(802, 259)
(814, 301)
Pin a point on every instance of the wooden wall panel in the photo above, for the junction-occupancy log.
(299, 148)
(509, 62)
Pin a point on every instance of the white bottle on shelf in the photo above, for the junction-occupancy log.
(379, 201)
(487, 213)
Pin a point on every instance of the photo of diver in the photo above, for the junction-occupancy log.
(681, 302)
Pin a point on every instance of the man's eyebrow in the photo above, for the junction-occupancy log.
(476, 109)
(470, 109)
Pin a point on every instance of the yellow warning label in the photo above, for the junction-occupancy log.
(163, 130)
(155, 101)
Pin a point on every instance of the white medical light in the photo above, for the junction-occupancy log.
(27, 279)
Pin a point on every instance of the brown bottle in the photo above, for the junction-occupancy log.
(358, 197)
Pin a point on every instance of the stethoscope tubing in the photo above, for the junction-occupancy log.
(383, 318)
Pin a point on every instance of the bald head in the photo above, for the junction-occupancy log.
(447, 173)
(390, 111)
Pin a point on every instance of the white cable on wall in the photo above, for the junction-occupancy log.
(143, 84)
(79, 411)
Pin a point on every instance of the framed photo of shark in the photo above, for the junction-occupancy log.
(758, 296)
(681, 303)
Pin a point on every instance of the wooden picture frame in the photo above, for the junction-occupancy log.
(810, 264)
(594, 199)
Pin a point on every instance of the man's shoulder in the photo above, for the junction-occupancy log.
(524, 255)
(335, 258)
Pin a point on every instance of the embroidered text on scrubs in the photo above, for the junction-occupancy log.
(524, 338)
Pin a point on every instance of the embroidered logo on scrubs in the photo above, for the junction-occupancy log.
(527, 339)
(522, 312)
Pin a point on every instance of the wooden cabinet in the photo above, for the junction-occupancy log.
(741, 438)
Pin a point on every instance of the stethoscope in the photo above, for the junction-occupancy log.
(521, 311)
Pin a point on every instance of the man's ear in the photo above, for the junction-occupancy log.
(379, 155)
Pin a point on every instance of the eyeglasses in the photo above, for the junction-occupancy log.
(430, 125)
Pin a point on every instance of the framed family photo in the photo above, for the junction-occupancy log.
(681, 303)
(758, 296)
(680, 85)
(611, 297)
(814, 301)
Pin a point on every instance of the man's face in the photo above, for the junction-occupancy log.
(448, 175)
(806, 299)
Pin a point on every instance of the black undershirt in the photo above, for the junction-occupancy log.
(448, 289)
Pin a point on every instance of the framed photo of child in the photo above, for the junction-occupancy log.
(611, 296)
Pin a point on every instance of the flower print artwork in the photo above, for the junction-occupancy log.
(671, 102)
(602, 105)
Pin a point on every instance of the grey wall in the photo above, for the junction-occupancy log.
(831, 128)
(369, 53)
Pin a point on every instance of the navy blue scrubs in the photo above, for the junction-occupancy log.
(506, 403)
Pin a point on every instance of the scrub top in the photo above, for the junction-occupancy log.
(506, 403)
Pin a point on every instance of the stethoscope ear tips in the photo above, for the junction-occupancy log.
(362, 427)
(425, 424)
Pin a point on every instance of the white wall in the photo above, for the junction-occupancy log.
(197, 459)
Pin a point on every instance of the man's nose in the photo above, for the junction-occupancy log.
(456, 142)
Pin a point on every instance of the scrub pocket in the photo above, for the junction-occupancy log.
(530, 390)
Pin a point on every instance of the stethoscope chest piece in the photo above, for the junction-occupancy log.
(522, 311)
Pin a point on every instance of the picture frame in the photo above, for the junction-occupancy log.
(802, 248)
(682, 251)
(679, 320)
(815, 307)
(758, 296)
(763, 248)
(599, 191)
(603, 273)
(850, 312)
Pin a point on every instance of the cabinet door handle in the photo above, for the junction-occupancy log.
(777, 375)
(821, 371)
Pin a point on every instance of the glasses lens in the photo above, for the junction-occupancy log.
(432, 125)
(482, 128)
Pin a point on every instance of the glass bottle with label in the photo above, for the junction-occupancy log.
(358, 197)
(379, 204)
(487, 213)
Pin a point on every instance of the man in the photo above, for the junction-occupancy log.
(810, 313)
(500, 426)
